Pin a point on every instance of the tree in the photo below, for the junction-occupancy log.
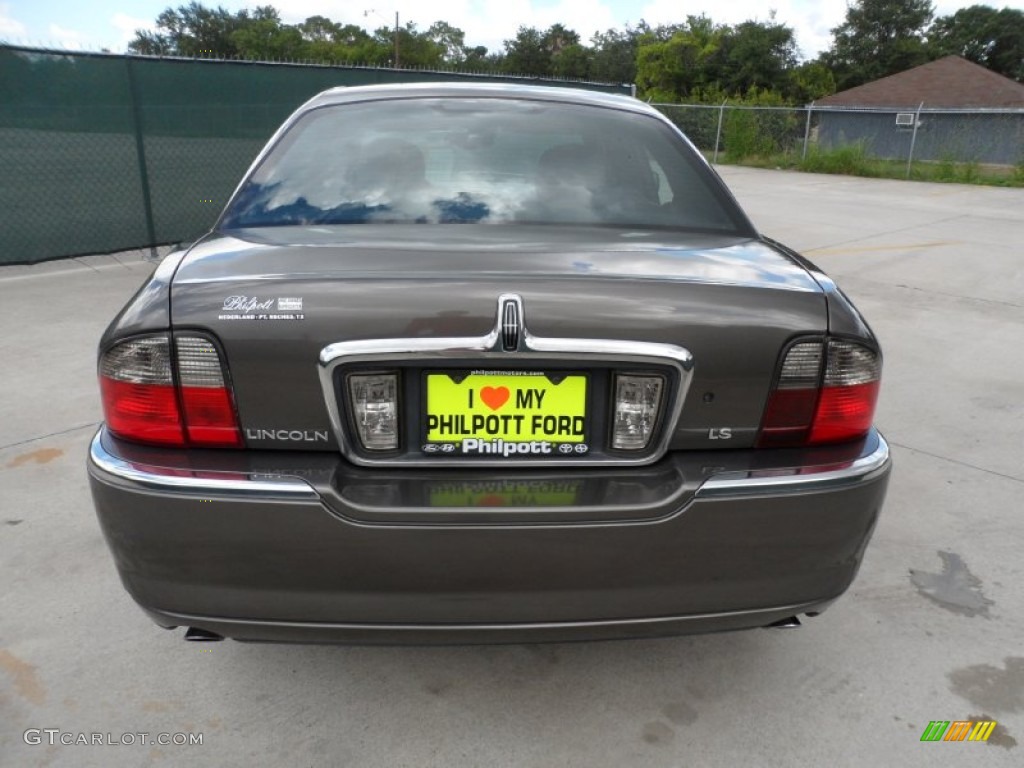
(683, 66)
(809, 82)
(265, 38)
(543, 54)
(613, 54)
(878, 38)
(478, 58)
(451, 39)
(757, 55)
(991, 38)
(572, 61)
(557, 38)
(192, 30)
(415, 49)
(319, 29)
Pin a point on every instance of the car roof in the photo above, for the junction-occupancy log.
(344, 94)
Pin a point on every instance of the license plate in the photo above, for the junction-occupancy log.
(506, 414)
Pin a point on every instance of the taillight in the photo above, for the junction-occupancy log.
(137, 386)
(144, 401)
(849, 392)
(205, 399)
(825, 393)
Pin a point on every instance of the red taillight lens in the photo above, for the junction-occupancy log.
(790, 409)
(849, 393)
(844, 413)
(813, 403)
(210, 417)
(141, 402)
(144, 412)
(209, 410)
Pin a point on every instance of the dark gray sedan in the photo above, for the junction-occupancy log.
(465, 363)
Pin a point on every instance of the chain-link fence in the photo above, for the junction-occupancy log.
(102, 153)
(920, 135)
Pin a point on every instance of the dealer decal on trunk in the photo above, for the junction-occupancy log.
(253, 308)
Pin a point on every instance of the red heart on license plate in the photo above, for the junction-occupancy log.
(494, 397)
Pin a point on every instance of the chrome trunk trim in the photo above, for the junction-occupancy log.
(491, 348)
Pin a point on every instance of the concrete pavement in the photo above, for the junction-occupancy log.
(939, 272)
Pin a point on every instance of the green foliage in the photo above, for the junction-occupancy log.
(192, 30)
(525, 54)
(268, 39)
(672, 69)
(613, 54)
(573, 61)
(809, 82)
(945, 170)
(748, 132)
(259, 34)
(450, 40)
(849, 160)
(853, 160)
(994, 39)
(878, 38)
(697, 61)
(756, 55)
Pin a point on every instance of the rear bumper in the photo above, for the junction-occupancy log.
(313, 555)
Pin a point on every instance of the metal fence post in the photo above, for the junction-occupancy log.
(718, 133)
(807, 130)
(913, 137)
(140, 153)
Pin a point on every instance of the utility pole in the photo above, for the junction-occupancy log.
(367, 13)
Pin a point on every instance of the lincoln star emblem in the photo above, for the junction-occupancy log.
(511, 323)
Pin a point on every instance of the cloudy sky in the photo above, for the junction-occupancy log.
(111, 23)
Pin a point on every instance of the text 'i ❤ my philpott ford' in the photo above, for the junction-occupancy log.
(506, 413)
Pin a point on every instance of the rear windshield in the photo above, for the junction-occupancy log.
(481, 161)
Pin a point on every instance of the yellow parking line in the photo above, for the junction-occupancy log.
(878, 248)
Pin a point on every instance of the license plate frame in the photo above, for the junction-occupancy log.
(508, 429)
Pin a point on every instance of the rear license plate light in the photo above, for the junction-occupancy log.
(374, 400)
(637, 405)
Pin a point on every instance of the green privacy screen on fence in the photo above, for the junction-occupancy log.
(101, 153)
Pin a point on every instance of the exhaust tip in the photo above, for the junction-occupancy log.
(790, 622)
(197, 635)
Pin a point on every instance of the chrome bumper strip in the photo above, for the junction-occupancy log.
(198, 484)
(722, 485)
(798, 480)
(183, 619)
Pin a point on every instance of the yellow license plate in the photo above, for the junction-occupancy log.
(505, 413)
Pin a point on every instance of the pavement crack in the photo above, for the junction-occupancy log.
(932, 291)
(957, 461)
(84, 264)
(875, 235)
(51, 434)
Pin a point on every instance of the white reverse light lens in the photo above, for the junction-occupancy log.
(375, 408)
(637, 401)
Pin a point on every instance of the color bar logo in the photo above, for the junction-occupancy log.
(958, 730)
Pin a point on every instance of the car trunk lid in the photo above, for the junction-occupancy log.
(276, 297)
